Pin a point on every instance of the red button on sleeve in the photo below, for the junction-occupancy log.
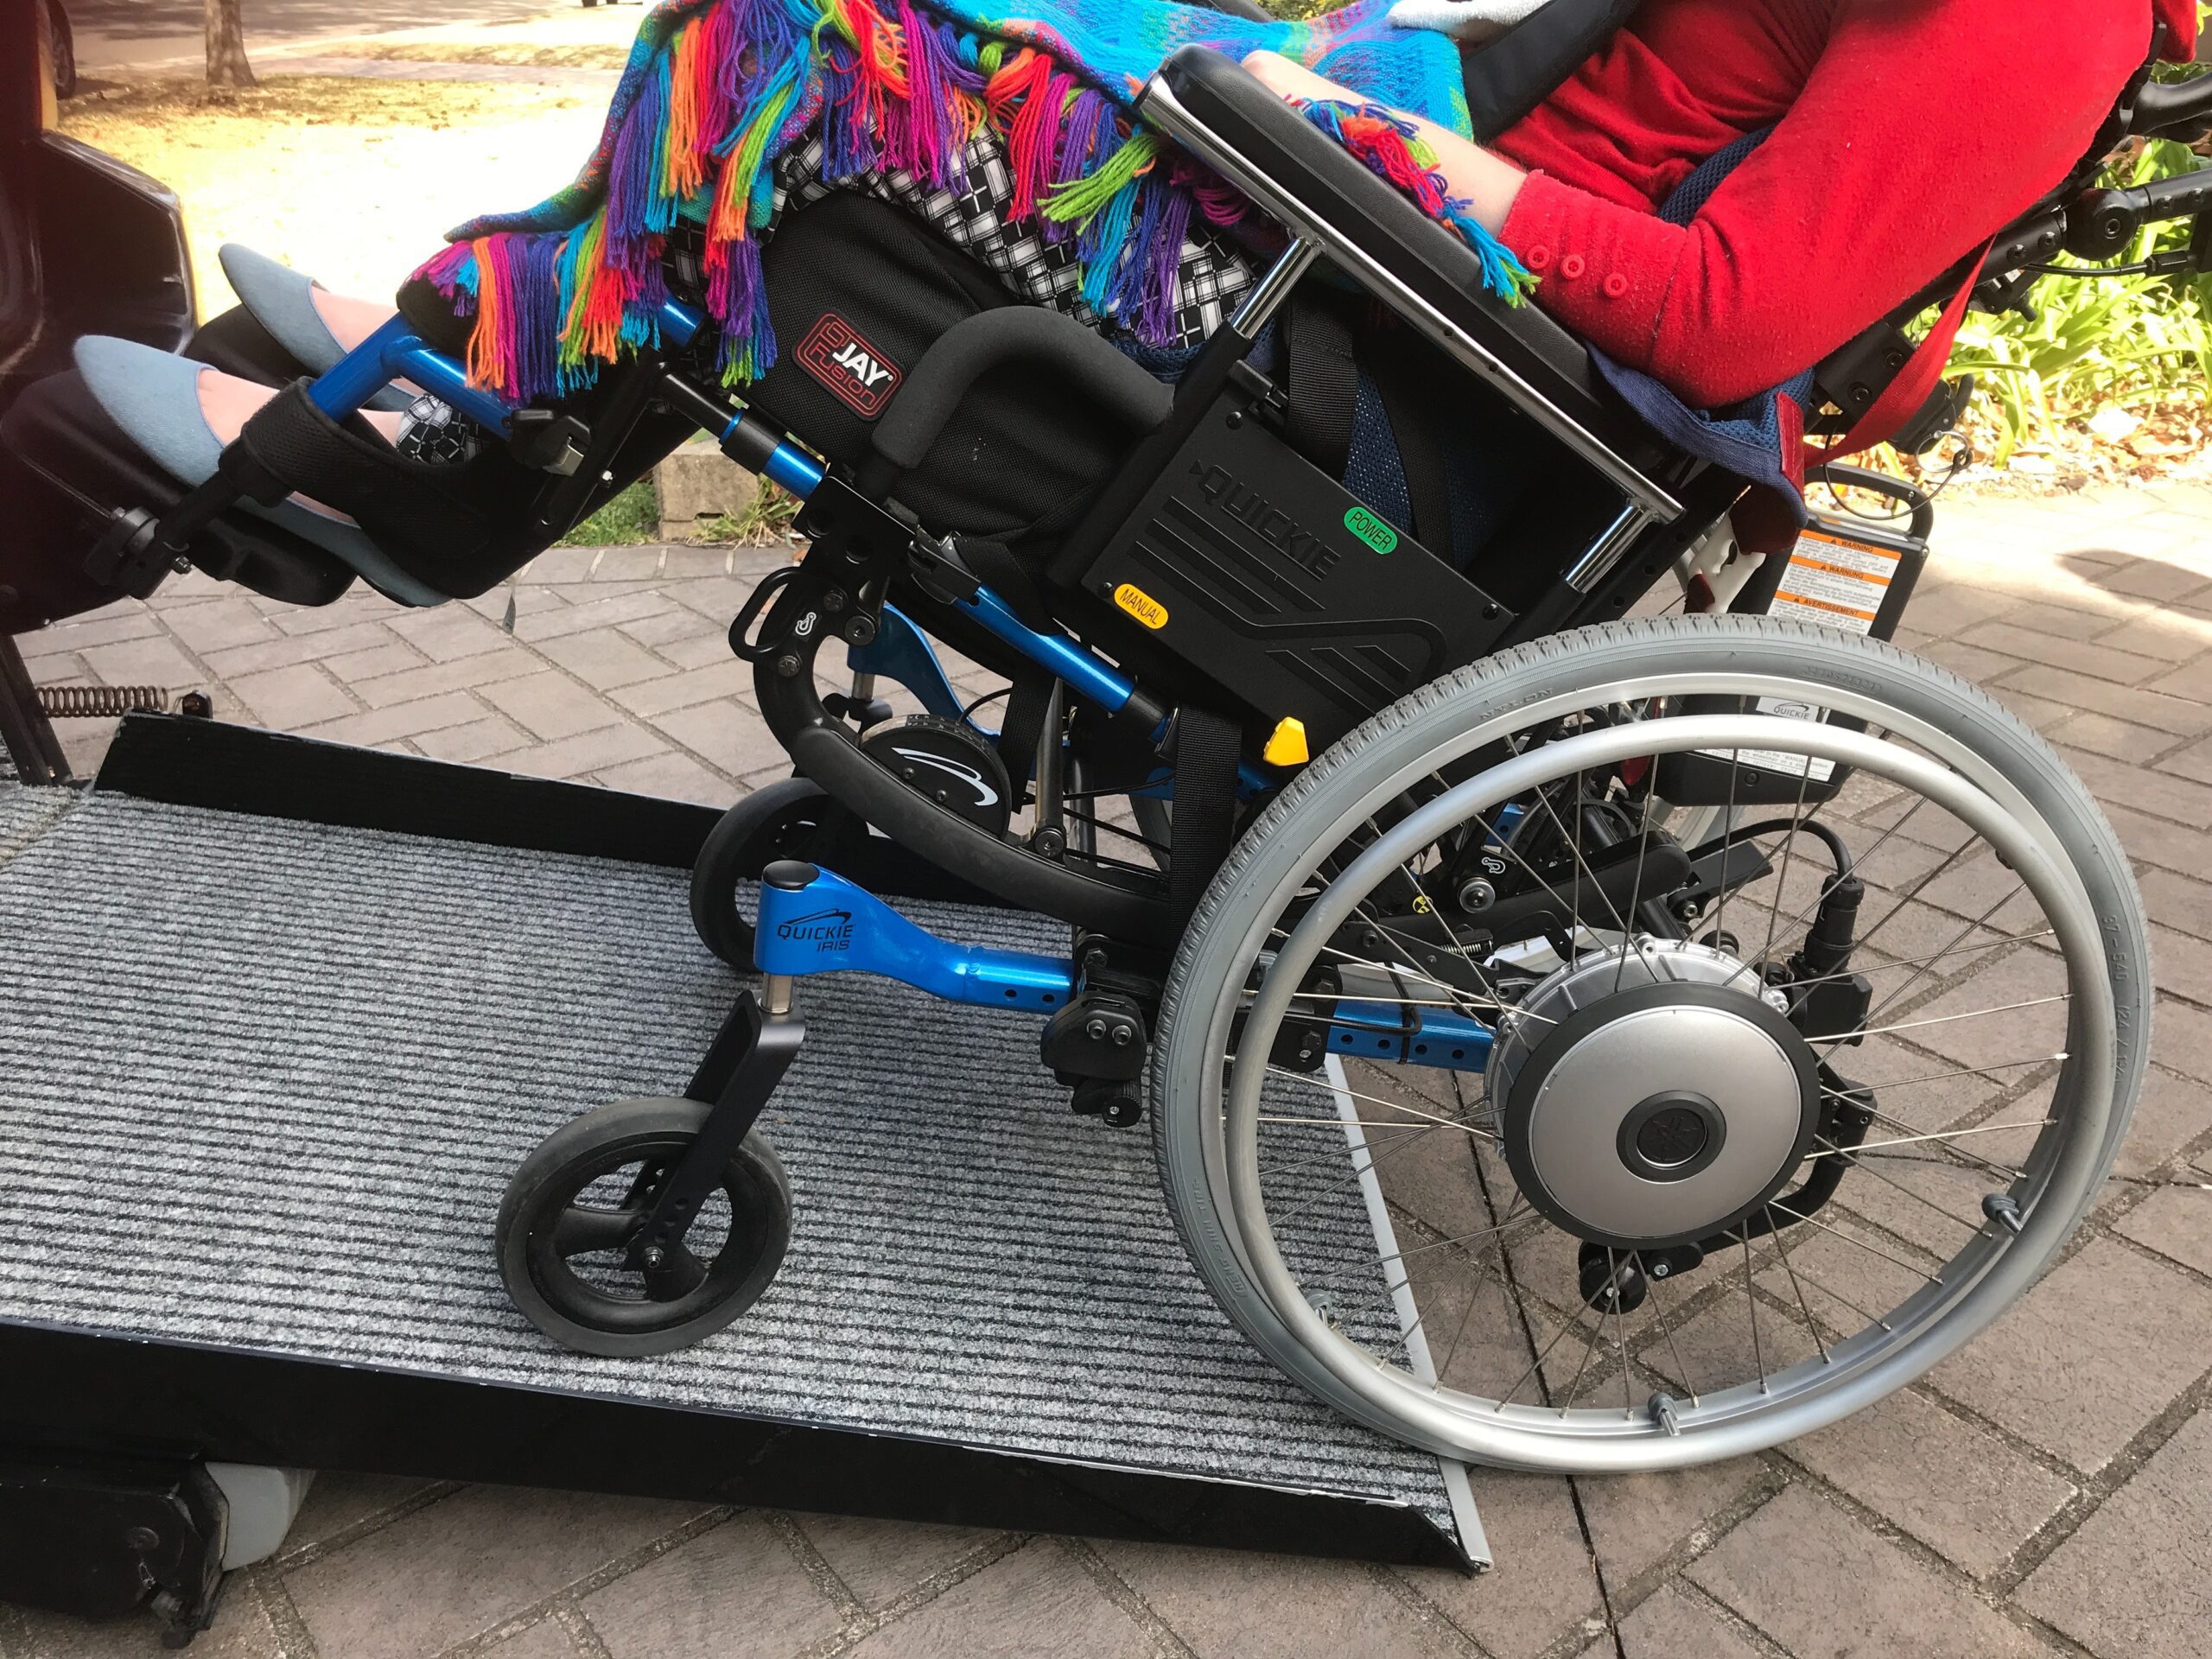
(1572, 266)
(1616, 286)
(1537, 258)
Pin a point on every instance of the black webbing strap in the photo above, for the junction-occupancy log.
(1001, 569)
(1322, 384)
(1022, 727)
(1420, 457)
(1204, 824)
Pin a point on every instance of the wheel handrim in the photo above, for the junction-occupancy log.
(1850, 1371)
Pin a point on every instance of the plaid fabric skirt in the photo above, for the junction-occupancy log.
(977, 217)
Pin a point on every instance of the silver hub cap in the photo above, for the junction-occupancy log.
(1655, 1098)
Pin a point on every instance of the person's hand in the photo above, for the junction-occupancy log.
(1294, 80)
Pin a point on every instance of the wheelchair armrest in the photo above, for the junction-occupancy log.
(975, 345)
(1230, 121)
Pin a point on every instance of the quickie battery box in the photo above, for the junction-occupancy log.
(1254, 566)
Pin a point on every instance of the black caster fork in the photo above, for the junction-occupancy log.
(644, 1226)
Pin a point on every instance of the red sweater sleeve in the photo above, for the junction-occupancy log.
(1924, 126)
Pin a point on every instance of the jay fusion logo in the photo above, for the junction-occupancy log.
(857, 375)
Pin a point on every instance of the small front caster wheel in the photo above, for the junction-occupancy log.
(574, 1208)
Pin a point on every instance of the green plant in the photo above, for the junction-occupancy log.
(628, 520)
(764, 523)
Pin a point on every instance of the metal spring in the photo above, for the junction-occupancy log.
(96, 702)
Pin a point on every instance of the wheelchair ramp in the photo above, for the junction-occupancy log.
(263, 1079)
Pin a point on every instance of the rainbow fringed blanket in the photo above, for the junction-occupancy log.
(716, 91)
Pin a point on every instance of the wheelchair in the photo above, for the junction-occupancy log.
(1734, 1013)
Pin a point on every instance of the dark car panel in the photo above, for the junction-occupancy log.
(87, 245)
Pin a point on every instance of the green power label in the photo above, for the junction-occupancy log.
(1371, 530)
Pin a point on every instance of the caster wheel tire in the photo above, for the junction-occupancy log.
(576, 1202)
(792, 818)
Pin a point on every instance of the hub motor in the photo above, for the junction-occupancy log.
(1654, 1095)
(952, 764)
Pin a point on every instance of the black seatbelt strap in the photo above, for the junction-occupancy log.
(1420, 456)
(1322, 384)
(1203, 824)
(1001, 569)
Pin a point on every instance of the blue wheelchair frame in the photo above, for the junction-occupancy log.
(825, 923)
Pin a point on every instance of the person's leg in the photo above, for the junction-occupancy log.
(183, 414)
(317, 326)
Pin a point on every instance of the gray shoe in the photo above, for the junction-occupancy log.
(283, 300)
(153, 396)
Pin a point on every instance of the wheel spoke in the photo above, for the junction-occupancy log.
(1811, 1220)
(1940, 1134)
(1971, 1158)
(1782, 1246)
(1788, 852)
(1915, 962)
(1886, 1084)
(1943, 1018)
(1849, 1155)
(1751, 1302)
(1423, 1249)
(584, 1229)
(1667, 1330)
(1866, 857)
(1727, 838)
(1921, 972)
(1375, 1100)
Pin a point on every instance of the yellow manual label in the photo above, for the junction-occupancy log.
(1141, 605)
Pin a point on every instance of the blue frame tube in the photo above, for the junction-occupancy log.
(901, 653)
(1406, 1036)
(830, 925)
(393, 352)
(1090, 677)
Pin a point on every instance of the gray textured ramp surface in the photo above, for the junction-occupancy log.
(272, 1077)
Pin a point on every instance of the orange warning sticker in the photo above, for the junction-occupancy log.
(1837, 583)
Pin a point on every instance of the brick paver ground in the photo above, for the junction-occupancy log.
(2048, 1492)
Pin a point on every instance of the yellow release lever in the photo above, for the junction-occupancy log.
(1287, 744)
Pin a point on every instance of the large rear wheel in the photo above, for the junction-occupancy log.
(1680, 1151)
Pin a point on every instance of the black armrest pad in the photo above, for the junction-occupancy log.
(1431, 261)
(975, 345)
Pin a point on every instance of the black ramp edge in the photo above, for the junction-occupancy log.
(62, 1391)
(227, 768)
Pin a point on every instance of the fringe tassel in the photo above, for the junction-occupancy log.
(452, 271)
(725, 87)
(1394, 150)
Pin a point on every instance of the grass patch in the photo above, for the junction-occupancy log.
(521, 53)
(766, 523)
(141, 114)
(632, 519)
